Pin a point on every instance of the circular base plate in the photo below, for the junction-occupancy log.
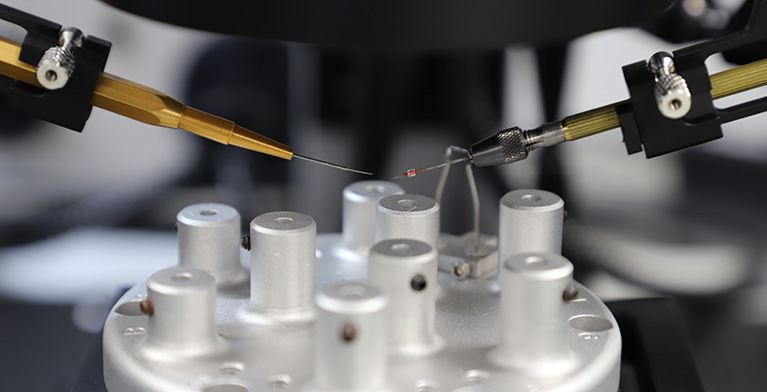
(260, 355)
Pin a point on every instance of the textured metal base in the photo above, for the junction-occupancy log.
(384, 318)
(261, 355)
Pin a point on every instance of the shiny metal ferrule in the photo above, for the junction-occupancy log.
(514, 144)
(546, 135)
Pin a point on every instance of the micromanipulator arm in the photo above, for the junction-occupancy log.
(671, 105)
(57, 75)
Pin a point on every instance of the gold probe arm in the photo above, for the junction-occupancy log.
(723, 84)
(514, 144)
(153, 107)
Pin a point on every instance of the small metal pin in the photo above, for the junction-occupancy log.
(147, 307)
(321, 162)
(412, 173)
(443, 176)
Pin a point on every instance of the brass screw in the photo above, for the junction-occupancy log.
(147, 307)
(348, 332)
(570, 293)
(461, 270)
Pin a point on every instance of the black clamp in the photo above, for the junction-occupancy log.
(69, 106)
(644, 126)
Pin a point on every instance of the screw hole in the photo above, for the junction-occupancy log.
(283, 220)
(418, 283)
(279, 381)
(180, 277)
(531, 198)
(51, 76)
(401, 247)
(425, 386)
(675, 104)
(534, 260)
(375, 189)
(352, 291)
(407, 203)
(477, 376)
(590, 323)
(208, 212)
(231, 368)
(130, 308)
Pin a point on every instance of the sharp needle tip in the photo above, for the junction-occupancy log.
(321, 162)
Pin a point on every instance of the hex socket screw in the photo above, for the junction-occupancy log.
(671, 91)
(58, 62)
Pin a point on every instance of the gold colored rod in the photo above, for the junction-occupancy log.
(591, 122)
(153, 107)
(739, 79)
(150, 106)
(723, 84)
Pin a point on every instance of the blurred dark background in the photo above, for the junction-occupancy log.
(84, 216)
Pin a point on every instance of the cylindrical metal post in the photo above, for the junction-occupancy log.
(406, 271)
(283, 258)
(209, 239)
(359, 211)
(408, 216)
(531, 221)
(533, 319)
(182, 304)
(350, 336)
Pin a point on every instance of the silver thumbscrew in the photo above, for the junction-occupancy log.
(58, 62)
(671, 91)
